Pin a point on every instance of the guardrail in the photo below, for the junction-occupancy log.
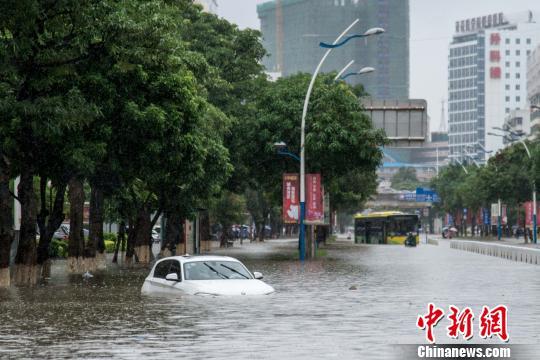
(514, 253)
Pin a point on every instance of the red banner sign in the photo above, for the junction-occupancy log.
(291, 200)
(529, 212)
(314, 198)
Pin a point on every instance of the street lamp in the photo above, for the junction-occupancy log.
(330, 47)
(460, 163)
(469, 155)
(343, 70)
(364, 70)
(281, 149)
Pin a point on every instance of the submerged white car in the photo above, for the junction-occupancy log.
(205, 276)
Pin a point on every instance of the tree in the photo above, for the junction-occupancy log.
(340, 139)
(227, 210)
(405, 179)
(41, 44)
(5, 223)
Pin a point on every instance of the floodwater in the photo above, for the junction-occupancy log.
(314, 314)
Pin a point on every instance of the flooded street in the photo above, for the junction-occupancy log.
(313, 313)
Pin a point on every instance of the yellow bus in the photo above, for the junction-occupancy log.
(387, 227)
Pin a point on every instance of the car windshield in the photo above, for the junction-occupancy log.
(215, 270)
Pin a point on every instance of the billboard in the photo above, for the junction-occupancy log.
(529, 212)
(314, 199)
(404, 121)
(291, 200)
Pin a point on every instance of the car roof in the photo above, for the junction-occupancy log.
(193, 258)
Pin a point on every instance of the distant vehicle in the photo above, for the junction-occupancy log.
(387, 227)
(449, 232)
(410, 241)
(62, 232)
(204, 276)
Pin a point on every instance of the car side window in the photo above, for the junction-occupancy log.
(162, 269)
(175, 268)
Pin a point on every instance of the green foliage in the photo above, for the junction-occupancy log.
(228, 209)
(109, 236)
(109, 246)
(58, 248)
(509, 176)
(405, 179)
(340, 139)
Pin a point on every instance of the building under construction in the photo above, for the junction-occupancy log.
(292, 30)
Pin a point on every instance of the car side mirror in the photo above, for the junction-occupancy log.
(172, 277)
(257, 275)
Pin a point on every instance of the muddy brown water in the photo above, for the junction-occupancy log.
(315, 313)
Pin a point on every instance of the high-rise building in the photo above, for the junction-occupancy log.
(533, 90)
(487, 78)
(292, 30)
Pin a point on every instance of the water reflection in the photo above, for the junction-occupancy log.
(313, 314)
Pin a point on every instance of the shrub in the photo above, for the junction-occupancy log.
(109, 236)
(109, 246)
(58, 248)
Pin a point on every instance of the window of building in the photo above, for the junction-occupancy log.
(507, 110)
(518, 41)
(507, 64)
(507, 41)
(507, 87)
(518, 99)
(518, 87)
(507, 52)
(517, 64)
(518, 76)
(507, 75)
(507, 99)
(528, 52)
(528, 41)
(518, 52)
(519, 121)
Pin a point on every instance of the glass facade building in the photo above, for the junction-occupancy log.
(292, 30)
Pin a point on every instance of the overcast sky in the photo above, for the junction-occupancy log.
(432, 25)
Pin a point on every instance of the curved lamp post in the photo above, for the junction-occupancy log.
(514, 136)
(337, 43)
(281, 149)
(364, 70)
(462, 166)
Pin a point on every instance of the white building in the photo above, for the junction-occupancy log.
(519, 121)
(487, 78)
(533, 92)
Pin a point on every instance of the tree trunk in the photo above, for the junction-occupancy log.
(119, 240)
(204, 231)
(6, 234)
(76, 260)
(141, 239)
(130, 243)
(172, 235)
(96, 244)
(260, 231)
(48, 222)
(25, 271)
